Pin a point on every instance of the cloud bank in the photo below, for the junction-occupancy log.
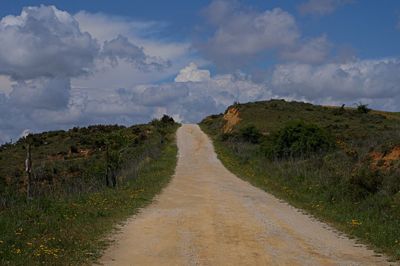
(59, 70)
(240, 34)
(44, 42)
(372, 81)
(41, 51)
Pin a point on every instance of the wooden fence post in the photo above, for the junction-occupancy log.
(28, 170)
(107, 167)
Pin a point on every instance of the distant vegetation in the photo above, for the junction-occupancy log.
(84, 180)
(341, 164)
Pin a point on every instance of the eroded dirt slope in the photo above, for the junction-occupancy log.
(208, 216)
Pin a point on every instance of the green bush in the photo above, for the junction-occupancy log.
(363, 108)
(250, 134)
(167, 120)
(364, 181)
(298, 139)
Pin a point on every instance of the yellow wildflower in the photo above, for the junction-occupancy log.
(355, 222)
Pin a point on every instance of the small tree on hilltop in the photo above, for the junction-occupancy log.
(363, 108)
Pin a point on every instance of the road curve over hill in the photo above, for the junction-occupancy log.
(208, 216)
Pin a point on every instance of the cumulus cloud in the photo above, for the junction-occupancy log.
(187, 101)
(35, 94)
(5, 84)
(44, 42)
(314, 51)
(41, 93)
(241, 33)
(47, 42)
(121, 48)
(371, 81)
(321, 7)
(192, 73)
(191, 101)
(374, 81)
(148, 36)
(41, 51)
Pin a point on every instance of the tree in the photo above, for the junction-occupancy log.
(363, 108)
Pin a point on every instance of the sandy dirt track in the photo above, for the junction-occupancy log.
(208, 216)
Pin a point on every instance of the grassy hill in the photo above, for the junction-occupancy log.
(340, 164)
(84, 181)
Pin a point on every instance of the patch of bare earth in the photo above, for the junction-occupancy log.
(232, 119)
(208, 216)
(384, 161)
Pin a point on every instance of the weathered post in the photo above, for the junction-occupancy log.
(28, 170)
(107, 166)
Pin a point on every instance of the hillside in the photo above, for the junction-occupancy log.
(340, 164)
(83, 181)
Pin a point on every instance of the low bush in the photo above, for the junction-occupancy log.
(250, 134)
(298, 139)
(363, 108)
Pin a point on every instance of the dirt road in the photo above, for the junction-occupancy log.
(208, 216)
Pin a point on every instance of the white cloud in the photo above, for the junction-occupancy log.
(186, 101)
(47, 42)
(240, 33)
(192, 73)
(43, 49)
(371, 81)
(25, 133)
(121, 48)
(41, 93)
(374, 81)
(35, 95)
(314, 51)
(321, 7)
(146, 36)
(5, 84)
(44, 42)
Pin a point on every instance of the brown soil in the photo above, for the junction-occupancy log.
(232, 119)
(208, 216)
(384, 161)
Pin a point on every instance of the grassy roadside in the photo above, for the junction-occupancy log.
(71, 231)
(336, 187)
(378, 232)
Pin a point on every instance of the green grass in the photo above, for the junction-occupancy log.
(68, 222)
(337, 186)
(72, 231)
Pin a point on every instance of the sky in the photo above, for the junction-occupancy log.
(75, 63)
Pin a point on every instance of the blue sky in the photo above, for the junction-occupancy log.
(369, 26)
(74, 63)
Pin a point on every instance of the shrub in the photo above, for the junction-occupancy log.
(225, 136)
(74, 149)
(364, 181)
(298, 139)
(250, 134)
(167, 120)
(363, 108)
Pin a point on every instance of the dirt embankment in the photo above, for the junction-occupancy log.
(385, 161)
(232, 119)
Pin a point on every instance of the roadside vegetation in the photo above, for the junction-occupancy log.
(340, 164)
(84, 182)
